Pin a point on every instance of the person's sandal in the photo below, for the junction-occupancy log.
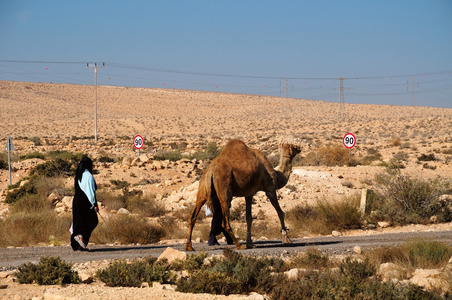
(79, 240)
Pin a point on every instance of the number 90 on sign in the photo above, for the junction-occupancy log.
(349, 140)
(138, 142)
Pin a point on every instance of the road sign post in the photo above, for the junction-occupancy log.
(9, 147)
(138, 143)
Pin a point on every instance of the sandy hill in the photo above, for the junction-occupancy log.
(61, 110)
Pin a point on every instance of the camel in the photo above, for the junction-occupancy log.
(240, 171)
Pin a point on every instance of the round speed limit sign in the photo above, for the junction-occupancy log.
(138, 142)
(349, 140)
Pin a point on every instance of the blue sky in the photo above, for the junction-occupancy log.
(380, 47)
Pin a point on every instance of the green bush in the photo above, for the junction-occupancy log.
(427, 254)
(55, 168)
(36, 140)
(172, 155)
(121, 273)
(105, 159)
(355, 280)
(74, 158)
(33, 155)
(233, 274)
(15, 195)
(427, 157)
(49, 271)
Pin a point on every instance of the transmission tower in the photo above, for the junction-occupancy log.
(341, 97)
(96, 68)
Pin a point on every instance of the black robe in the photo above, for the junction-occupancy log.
(84, 218)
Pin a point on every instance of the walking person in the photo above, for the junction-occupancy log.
(84, 206)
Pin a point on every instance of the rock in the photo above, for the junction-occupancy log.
(24, 182)
(389, 271)
(383, 224)
(53, 198)
(428, 279)
(172, 254)
(336, 233)
(255, 296)
(293, 273)
(144, 285)
(67, 201)
(86, 277)
(357, 250)
(433, 219)
(123, 211)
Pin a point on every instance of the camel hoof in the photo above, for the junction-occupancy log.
(287, 242)
(241, 247)
(188, 247)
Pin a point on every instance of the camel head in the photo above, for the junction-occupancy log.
(289, 147)
(290, 150)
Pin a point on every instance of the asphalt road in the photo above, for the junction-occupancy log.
(13, 257)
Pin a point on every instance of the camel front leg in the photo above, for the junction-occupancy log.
(275, 203)
(249, 221)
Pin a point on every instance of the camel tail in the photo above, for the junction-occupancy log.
(210, 189)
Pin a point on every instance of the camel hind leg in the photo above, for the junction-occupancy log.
(192, 221)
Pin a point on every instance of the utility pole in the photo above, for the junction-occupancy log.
(96, 68)
(412, 90)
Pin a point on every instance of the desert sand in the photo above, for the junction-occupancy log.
(61, 116)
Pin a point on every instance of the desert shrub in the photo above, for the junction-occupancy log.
(330, 156)
(3, 164)
(110, 200)
(73, 158)
(423, 253)
(210, 152)
(16, 194)
(303, 217)
(22, 228)
(53, 168)
(404, 199)
(105, 159)
(343, 214)
(194, 262)
(32, 155)
(381, 255)
(145, 206)
(122, 273)
(49, 271)
(354, 280)
(312, 259)
(36, 140)
(130, 229)
(233, 274)
(171, 155)
(326, 216)
(395, 142)
(205, 281)
(427, 157)
(427, 253)
(119, 184)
